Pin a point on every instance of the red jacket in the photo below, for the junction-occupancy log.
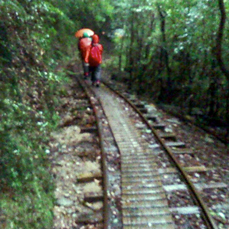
(95, 42)
(84, 48)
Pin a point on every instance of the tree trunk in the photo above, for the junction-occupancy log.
(120, 54)
(219, 58)
(131, 52)
(219, 39)
(164, 50)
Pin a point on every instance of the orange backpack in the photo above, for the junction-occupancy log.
(95, 56)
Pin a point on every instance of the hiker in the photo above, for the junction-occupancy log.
(95, 60)
(84, 45)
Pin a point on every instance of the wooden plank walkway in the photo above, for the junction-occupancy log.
(144, 206)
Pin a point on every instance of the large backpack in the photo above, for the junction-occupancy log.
(95, 57)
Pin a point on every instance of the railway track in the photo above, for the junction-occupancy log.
(156, 191)
(110, 168)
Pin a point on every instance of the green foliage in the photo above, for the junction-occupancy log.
(32, 34)
(171, 44)
(32, 210)
(24, 166)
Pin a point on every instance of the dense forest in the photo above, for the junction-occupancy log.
(176, 52)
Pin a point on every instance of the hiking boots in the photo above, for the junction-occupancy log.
(96, 83)
(86, 75)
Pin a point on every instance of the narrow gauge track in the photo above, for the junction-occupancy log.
(95, 196)
(110, 167)
(144, 202)
(162, 141)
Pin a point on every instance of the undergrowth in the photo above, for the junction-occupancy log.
(30, 85)
(28, 115)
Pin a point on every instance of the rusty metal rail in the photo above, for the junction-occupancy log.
(196, 196)
(106, 210)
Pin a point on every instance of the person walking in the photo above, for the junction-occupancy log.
(84, 45)
(95, 60)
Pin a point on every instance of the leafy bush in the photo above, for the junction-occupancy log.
(32, 34)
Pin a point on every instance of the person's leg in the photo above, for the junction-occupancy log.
(86, 69)
(93, 79)
(98, 75)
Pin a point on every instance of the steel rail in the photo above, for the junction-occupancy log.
(106, 212)
(198, 200)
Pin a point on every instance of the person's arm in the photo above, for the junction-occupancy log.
(101, 48)
(86, 59)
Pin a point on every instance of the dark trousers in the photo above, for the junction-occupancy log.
(95, 73)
